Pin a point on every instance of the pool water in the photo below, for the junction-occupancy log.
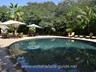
(57, 55)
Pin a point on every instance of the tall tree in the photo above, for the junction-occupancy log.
(3, 13)
(85, 17)
(15, 11)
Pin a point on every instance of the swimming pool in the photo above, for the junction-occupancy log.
(56, 55)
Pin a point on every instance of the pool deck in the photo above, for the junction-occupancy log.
(6, 65)
(7, 42)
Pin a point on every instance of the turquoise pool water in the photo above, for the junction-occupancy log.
(57, 55)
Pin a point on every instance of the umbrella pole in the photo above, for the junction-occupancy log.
(15, 32)
(15, 29)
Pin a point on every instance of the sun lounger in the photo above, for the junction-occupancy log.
(90, 35)
(76, 36)
(72, 34)
(19, 35)
(81, 36)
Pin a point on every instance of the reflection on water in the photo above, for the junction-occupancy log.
(57, 55)
(61, 58)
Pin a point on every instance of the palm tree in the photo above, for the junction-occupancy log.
(16, 12)
(85, 17)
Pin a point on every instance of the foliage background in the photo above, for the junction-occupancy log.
(78, 15)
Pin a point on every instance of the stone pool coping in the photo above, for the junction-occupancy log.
(4, 43)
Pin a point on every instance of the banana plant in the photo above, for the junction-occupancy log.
(15, 12)
(84, 17)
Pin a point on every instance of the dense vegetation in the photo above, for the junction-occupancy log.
(78, 16)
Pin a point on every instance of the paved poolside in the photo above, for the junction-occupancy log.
(7, 42)
(4, 43)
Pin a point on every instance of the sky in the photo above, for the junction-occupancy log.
(24, 2)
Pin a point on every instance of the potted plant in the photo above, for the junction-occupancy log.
(69, 31)
(32, 31)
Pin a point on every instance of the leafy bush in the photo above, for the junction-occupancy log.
(33, 30)
(69, 30)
